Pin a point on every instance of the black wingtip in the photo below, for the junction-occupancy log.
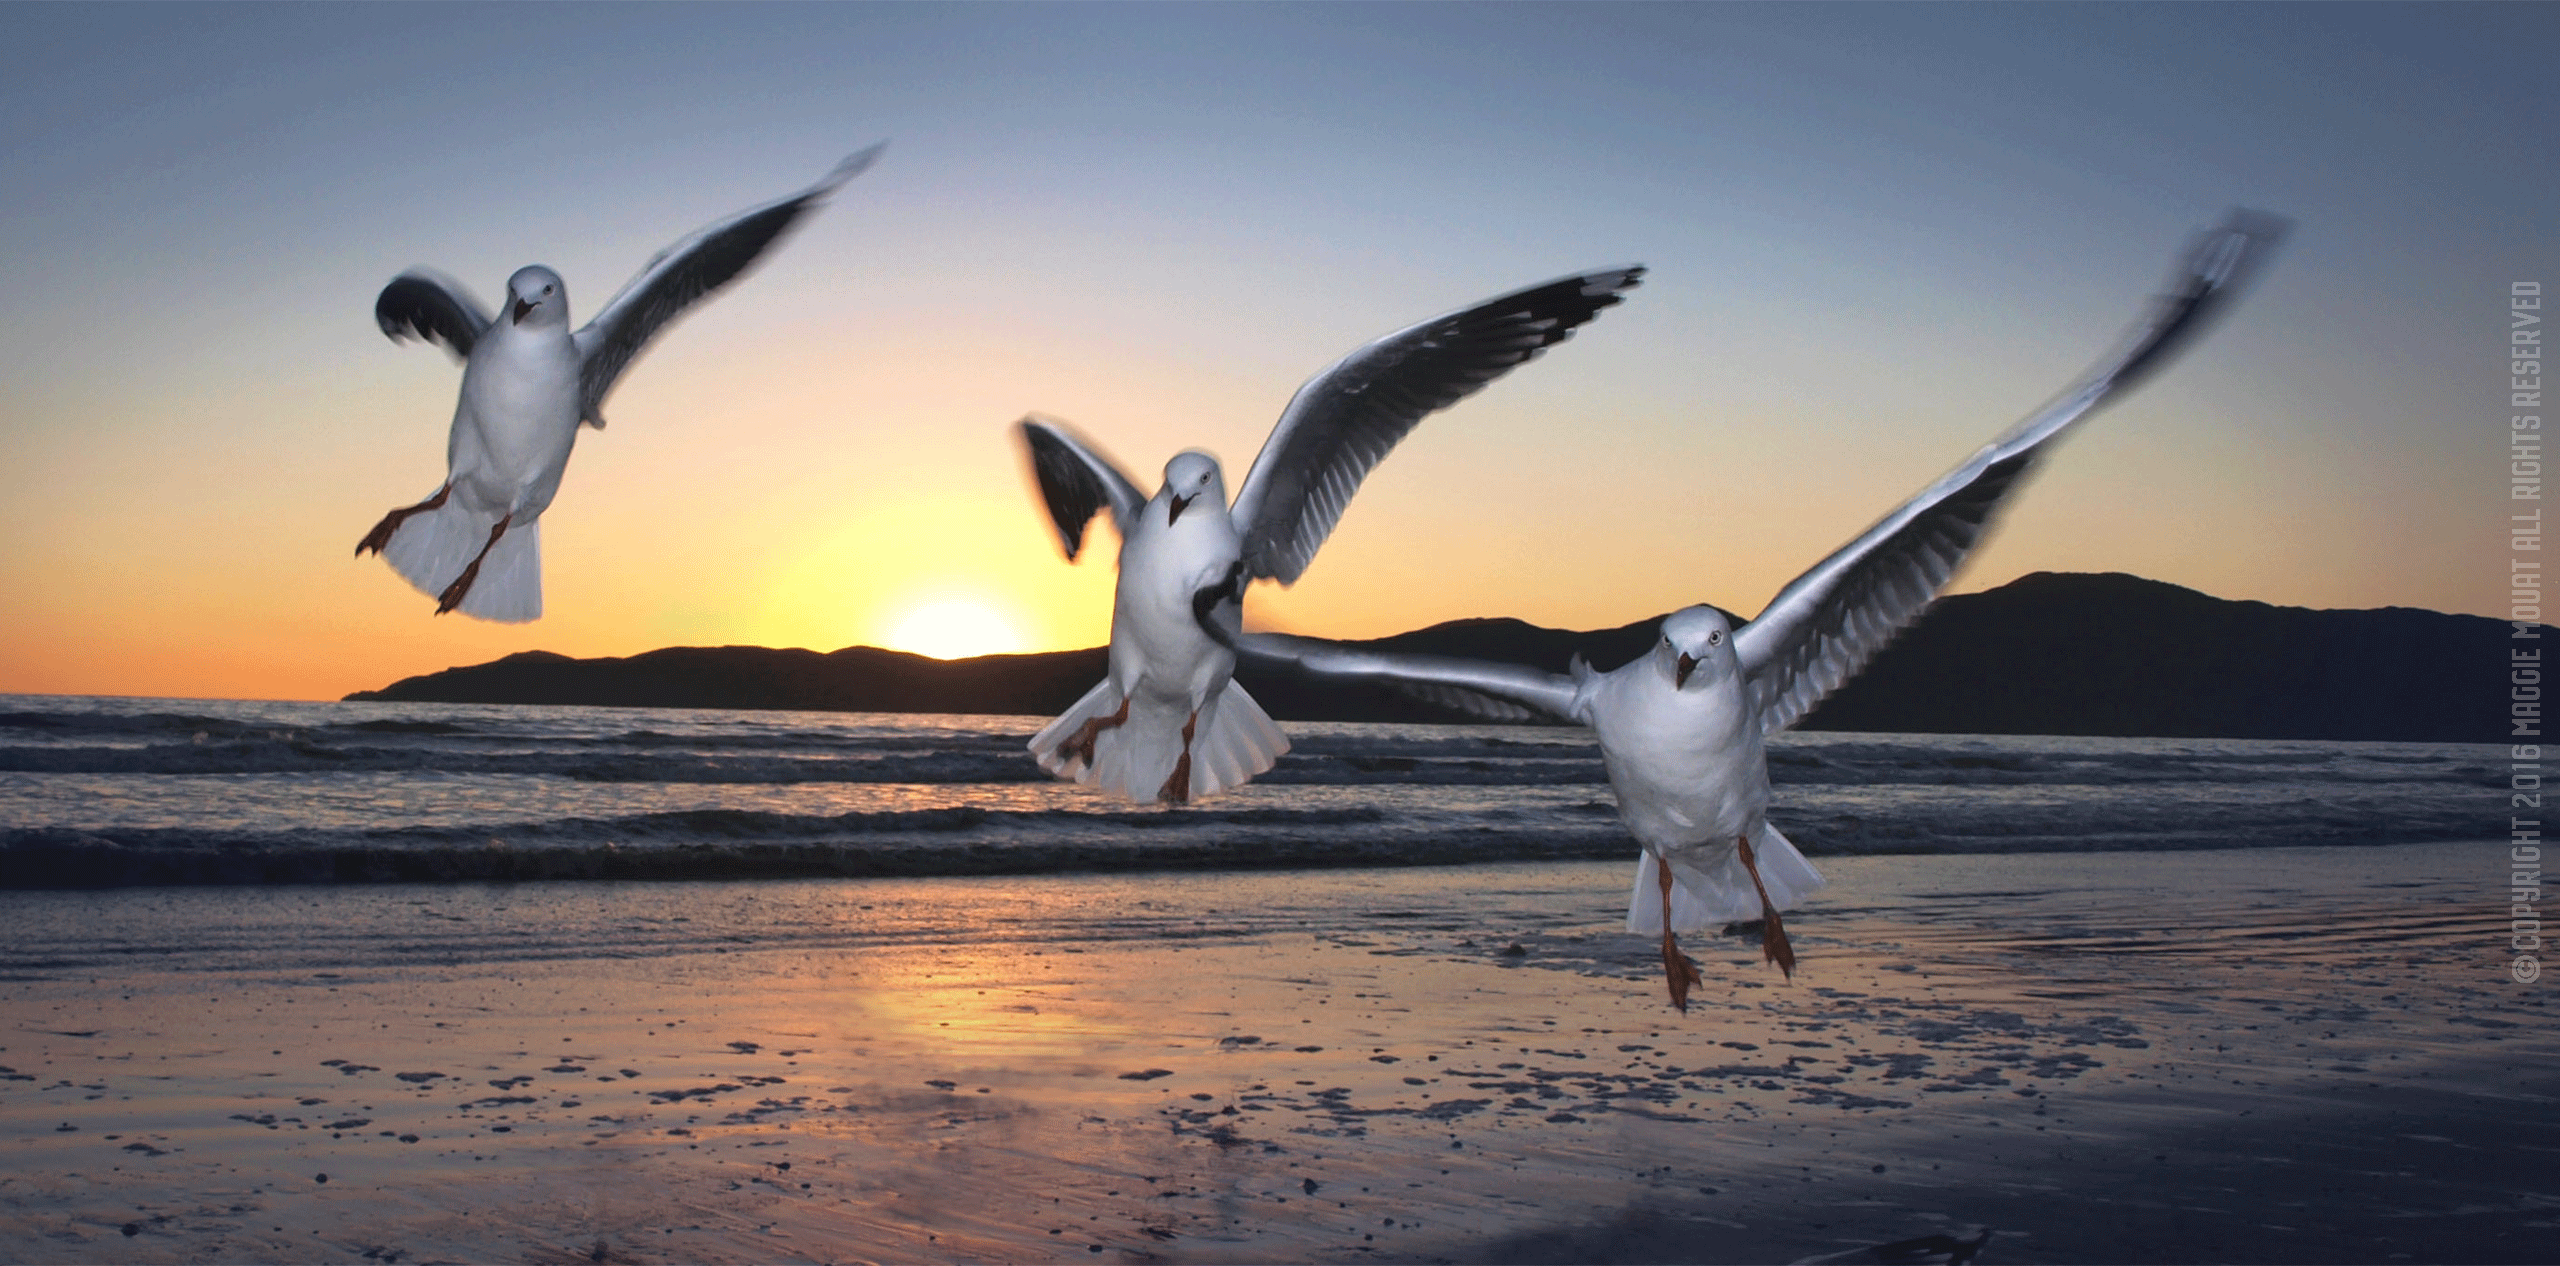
(853, 165)
(1568, 303)
(393, 324)
(2219, 264)
(1227, 592)
(1056, 475)
(1613, 281)
(428, 306)
(2231, 253)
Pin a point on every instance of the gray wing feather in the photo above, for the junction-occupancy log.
(422, 303)
(1826, 624)
(1343, 422)
(1498, 692)
(1076, 481)
(682, 274)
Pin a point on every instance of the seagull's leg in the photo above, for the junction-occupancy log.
(1773, 934)
(453, 593)
(1177, 786)
(1676, 966)
(380, 536)
(1081, 746)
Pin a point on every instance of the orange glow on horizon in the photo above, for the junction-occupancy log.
(954, 628)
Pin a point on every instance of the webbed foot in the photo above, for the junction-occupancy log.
(380, 537)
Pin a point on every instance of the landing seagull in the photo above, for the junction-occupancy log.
(1168, 724)
(527, 383)
(1681, 728)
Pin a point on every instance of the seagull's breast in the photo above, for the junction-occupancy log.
(1163, 566)
(520, 391)
(1160, 568)
(1687, 766)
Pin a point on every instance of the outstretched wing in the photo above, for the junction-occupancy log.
(424, 304)
(684, 273)
(1341, 424)
(1076, 481)
(1495, 692)
(1824, 626)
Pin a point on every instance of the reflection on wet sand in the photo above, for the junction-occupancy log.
(2280, 1054)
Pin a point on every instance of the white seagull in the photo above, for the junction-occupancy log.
(527, 383)
(1681, 728)
(1168, 724)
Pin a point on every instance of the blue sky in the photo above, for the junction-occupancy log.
(1878, 234)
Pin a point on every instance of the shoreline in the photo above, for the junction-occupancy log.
(84, 863)
(2320, 1040)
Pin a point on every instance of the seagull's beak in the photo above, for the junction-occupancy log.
(1173, 508)
(1680, 675)
(520, 309)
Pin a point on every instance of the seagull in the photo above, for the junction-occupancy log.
(1169, 724)
(1682, 727)
(527, 384)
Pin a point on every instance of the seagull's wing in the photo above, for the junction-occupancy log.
(424, 304)
(1495, 692)
(682, 274)
(1342, 422)
(1077, 482)
(1824, 626)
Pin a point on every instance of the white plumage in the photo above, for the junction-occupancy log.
(1682, 728)
(527, 383)
(1169, 724)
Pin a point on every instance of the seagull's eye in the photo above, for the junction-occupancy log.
(1715, 637)
(546, 290)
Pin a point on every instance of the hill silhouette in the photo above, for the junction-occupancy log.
(2048, 653)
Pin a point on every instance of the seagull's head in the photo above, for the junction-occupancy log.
(1696, 646)
(1189, 477)
(537, 297)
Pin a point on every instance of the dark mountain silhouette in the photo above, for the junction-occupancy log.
(2048, 653)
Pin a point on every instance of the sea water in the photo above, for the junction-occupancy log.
(98, 792)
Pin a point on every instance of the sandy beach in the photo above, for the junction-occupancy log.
(2271, 1055)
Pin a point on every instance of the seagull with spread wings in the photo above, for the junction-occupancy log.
(527, 385)
(1681, 727)
(1169, 724)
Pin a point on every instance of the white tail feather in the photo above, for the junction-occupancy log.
(1233, 740)
(509, 587)
(1046, 746)
(433, 546)
(1721, 891)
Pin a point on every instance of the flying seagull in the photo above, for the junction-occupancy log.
(1681, 728)
(527, 384)
(1168, 724)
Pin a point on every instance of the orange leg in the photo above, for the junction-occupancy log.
(1773, 933)
(1081, 746)
(454, 593)
(1676, 966)
(1177, 786)
(380, 536)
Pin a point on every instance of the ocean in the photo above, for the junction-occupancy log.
(818, 987)
(109, 792)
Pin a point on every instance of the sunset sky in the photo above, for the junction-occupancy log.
(1877, 236)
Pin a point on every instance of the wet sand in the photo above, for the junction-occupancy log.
(2273, 1055)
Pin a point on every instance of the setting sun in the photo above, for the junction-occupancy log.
(954, 629)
